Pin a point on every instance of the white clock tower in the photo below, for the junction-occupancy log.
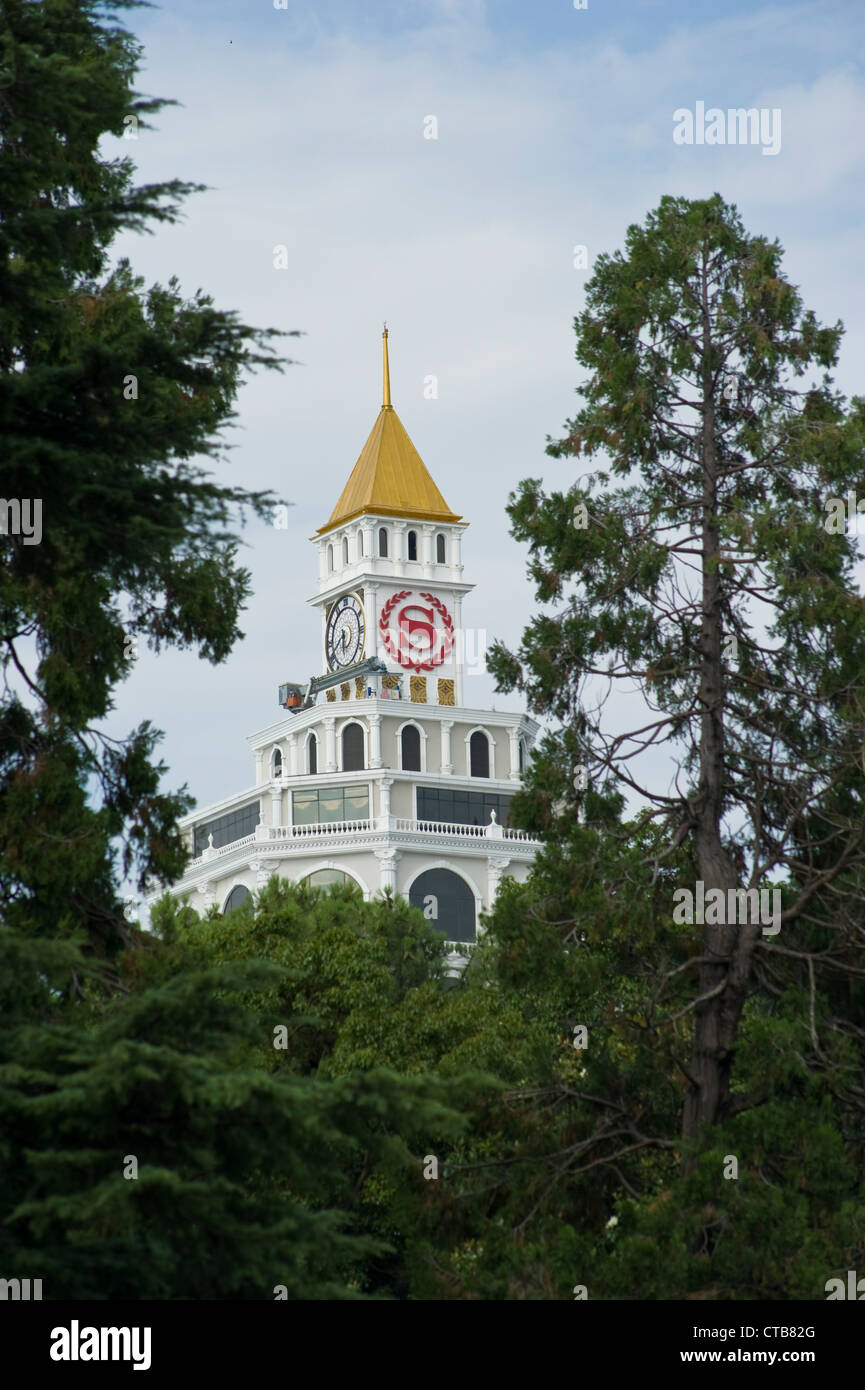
(376, 771)
(390, 569)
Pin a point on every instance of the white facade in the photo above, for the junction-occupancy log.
(387, 777)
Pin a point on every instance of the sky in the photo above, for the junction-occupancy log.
(554, 130)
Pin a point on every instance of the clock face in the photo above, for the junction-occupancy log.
(345, 633)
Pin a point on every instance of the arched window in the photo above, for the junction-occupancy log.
(382, 542)
(312, 753)
(412, 545)
(410, 740)
(276, 763)
(326, 878)
(440, 550)
(447, 902)
(479, 753)
(352, 748)
(345, 550)
(330, 557)
(360, 544)
(236, 898)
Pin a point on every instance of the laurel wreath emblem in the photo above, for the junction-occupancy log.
(447, 636)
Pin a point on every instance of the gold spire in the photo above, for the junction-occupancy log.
(390, 478)
(386, 392)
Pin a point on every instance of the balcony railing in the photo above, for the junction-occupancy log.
(440, 827)
(268, 834)
(330, 827)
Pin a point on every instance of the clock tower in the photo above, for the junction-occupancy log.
(376, 772)
(390, 570)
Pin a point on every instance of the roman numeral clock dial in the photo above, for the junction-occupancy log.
(345, 633)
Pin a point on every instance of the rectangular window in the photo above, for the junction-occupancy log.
(329, 804)
(356, 804)
(461, 807)
(236, 825)
(305, 808)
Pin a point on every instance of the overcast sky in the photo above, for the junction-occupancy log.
(554, 129)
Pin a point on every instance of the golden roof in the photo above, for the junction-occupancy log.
(390, 477)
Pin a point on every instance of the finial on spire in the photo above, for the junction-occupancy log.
(386, 390)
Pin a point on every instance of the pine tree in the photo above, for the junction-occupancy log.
(108, 393)
(695, 574)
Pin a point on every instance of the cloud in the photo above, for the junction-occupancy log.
(465, 245)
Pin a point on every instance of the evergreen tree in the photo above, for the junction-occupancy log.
(108, 393)
(710, 584)
(148, 1152)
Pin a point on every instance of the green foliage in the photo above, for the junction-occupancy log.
(256, 1167)
(108, 391)
(303, 1165)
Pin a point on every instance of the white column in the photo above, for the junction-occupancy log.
(292, 742)
(428, 556)
(206, 894)
(387, 860)
(264, 870)
(370, 608)
(370, 549)
(513, 738)
(496, 866)
(385, 820)
(399, 550)
(459, 649)
(322, 561)
(276, 807)
(259, 766)
(330, 744)
(447, 766)
(375, 740)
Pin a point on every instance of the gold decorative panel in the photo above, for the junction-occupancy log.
(446, 692)
(417, 688)
(345, 690)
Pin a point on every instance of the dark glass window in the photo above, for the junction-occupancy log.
(236, 898)
(412, 545)
(352, 748)
(312, 753)
(452, 805)
(330, 804)
(440, 550)
(382, 542)
(226, 829)
(276, 764)
(410, 737)
(479, 753)
(447, 902)
(522, 755)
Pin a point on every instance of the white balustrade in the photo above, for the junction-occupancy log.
(365, 826)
